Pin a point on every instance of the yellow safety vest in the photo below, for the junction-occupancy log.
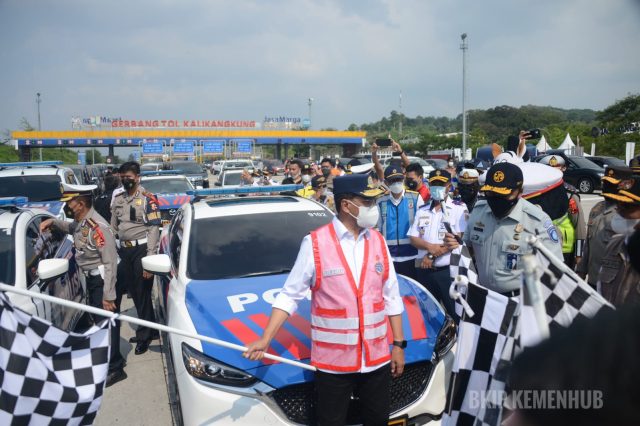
(567, 232)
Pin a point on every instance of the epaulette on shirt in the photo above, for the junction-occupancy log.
(412, 192)
(119, 194)
(97, 234)
(534, 211)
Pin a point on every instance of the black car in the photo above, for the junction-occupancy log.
(605, 162)
(585, 175)
(193, 171)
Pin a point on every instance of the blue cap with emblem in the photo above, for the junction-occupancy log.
(356, 184)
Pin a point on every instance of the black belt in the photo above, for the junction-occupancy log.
(512, 293)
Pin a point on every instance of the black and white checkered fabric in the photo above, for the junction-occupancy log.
(47, 375)
(566, 298)
(481, 341)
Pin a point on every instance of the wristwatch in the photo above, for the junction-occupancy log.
(430, 256)
(400, 343)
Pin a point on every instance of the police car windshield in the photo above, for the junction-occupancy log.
(6, 257)
(166, 186)
(245, 245)
(36, 187)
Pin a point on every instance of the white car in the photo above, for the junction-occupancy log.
(229, 178)
(426, 167)
(25, 253)
(237, 164)
(170, 188)
(150, 167)
(38, 181)
(227, 258)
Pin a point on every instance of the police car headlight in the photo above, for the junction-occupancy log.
(446, 338)
(600, 174)
(208, 369)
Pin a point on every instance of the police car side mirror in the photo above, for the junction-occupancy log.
(157, 264)
(51, 269)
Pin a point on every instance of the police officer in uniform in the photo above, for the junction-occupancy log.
(468, 186)
(599, 231)
(136, 219)
(619, 278)
(572, 227)
(498, 228)
(440, 214)
(351, 274)
(97, 258)
(397, 212)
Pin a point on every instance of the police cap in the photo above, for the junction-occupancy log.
(439, 175)
(503, 178)
(357, 184)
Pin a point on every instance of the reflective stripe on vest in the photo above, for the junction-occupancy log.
(565, 227)
(347, 319)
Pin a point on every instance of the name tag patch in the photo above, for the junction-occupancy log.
(333, 272)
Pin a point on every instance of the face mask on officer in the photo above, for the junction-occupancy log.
(450, 163)
(468, 192)
(396, 187)
(501, 206)
(438, 193)
(128, 183)
(326, 171)
(306, 178)
(411, 184)
(367, 216)
(621, 225)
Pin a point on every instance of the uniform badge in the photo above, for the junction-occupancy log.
(519, 228)
(498, 176)
(85, 231)
(138, 202)
(512, 261)
(553, 234)
(553, 161)
(516, 236)
(411, 205)
(379, 268)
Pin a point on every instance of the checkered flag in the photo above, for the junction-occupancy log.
(461, 265)
(47, 375)
(566, 298)
(481, 341)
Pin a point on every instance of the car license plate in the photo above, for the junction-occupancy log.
(399, 421)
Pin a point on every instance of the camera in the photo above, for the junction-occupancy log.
(383, 142)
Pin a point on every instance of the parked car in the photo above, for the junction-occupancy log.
(274, 167)
(193, 171)
(230, 178)
(426, 166)
(212, 290)
(585, 175)
(237, 164)
(170, 188)
(606, 161)
(26, 255)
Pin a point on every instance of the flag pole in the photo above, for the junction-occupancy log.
(143, 323)
(534, 294)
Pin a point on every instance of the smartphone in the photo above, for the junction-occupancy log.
(383, 141)
(532, 134)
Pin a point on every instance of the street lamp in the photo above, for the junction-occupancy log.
(464, 48)
(38, 100)
(310, 102)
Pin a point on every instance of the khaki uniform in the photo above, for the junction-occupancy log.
(136, 218)
(95, 248)
(498, 244)
(599, 235)
(618, 281)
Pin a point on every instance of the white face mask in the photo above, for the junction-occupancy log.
(450, 163)
(438, 192)
(367, 216)
(620, 225)
(306, 178)
(397, 187)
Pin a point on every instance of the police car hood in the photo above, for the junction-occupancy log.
(237, 311)
(172, 200)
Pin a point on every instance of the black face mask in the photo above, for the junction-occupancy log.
(68, 212)
(501, 206)
(128, 184)
(326, 171)
(468, 192)
(411, 184)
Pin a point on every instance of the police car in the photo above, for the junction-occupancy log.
(222, 262)
(40, 262)
(39, 181)
(170, 188)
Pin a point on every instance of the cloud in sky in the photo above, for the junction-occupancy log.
(237, 59)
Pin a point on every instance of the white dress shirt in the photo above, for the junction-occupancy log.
(302, 276)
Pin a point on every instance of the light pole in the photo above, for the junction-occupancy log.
(310, 102)
(38, 100)
(464, 48)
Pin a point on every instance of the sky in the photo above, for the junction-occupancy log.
(244, 60)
